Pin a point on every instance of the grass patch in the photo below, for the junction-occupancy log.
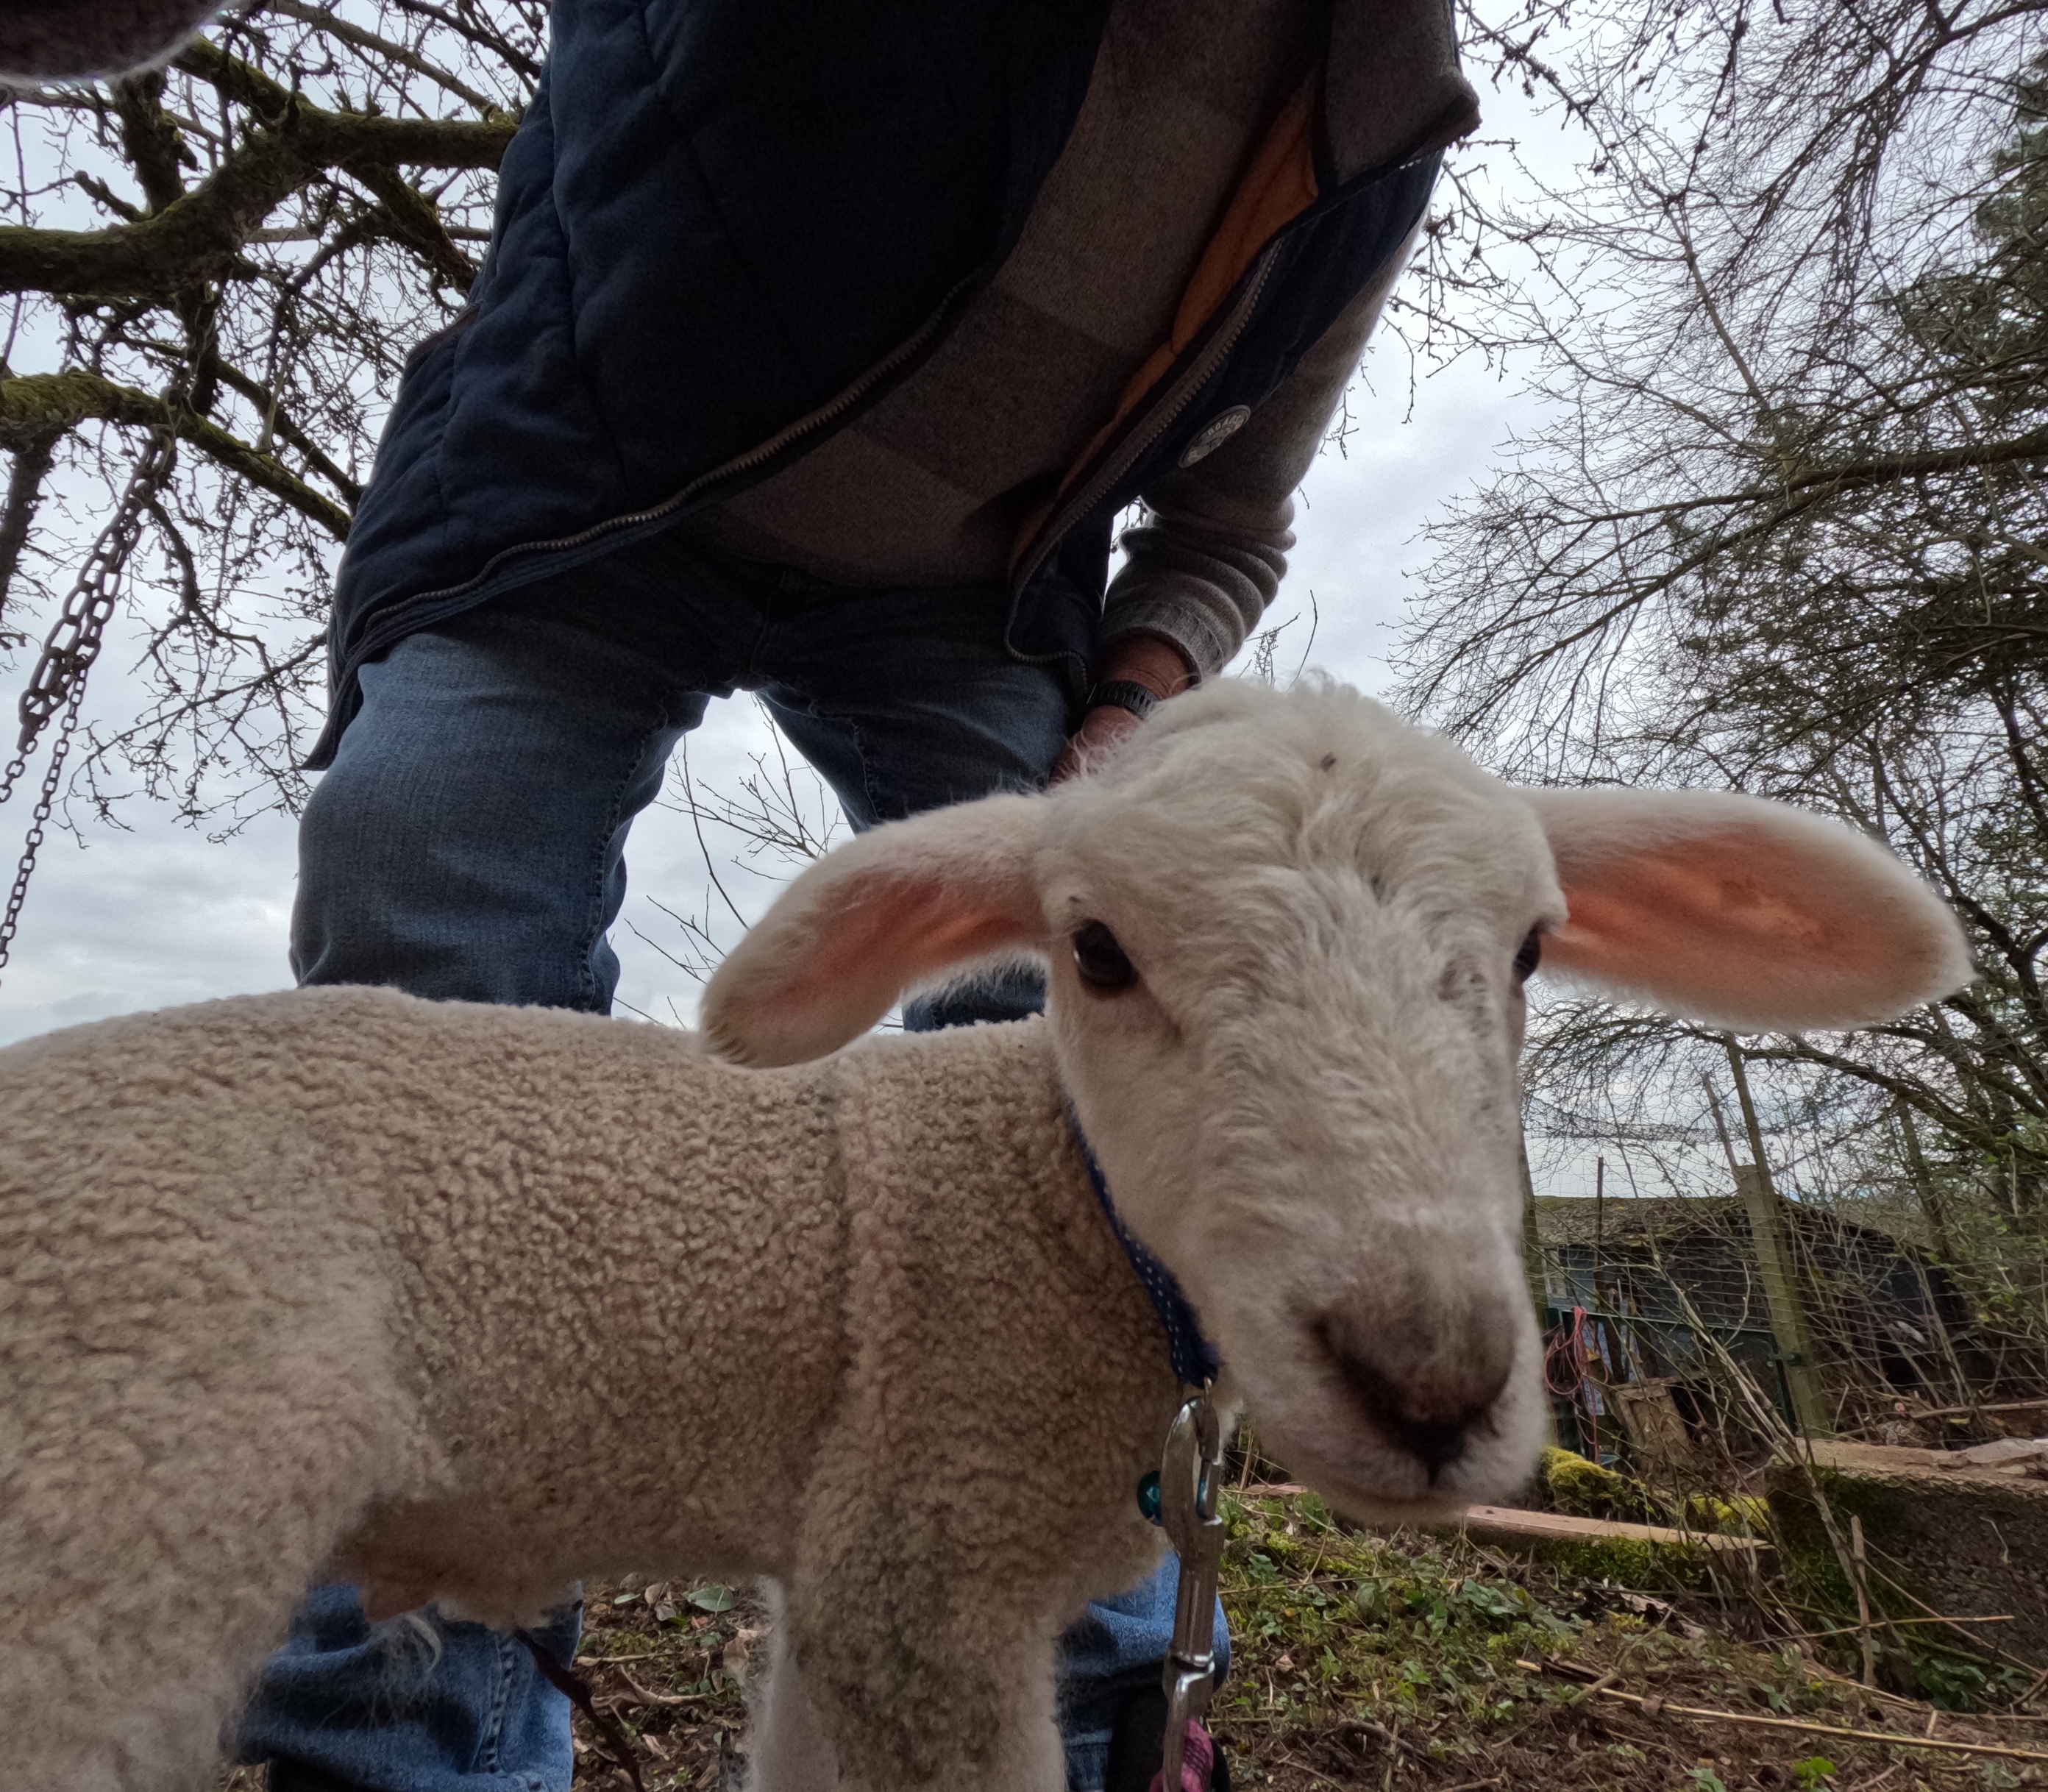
(1364, 1660)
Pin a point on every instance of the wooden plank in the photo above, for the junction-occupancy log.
(1512, 1521)
(1656, 1432)
(1509, 1521)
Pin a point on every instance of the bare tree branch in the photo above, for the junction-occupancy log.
(199, 238)
(33, 405)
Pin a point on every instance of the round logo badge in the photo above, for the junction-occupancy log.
(1214, 433)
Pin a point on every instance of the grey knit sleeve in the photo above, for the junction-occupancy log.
(56, 40)
(1204, 562)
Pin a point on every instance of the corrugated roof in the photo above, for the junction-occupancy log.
(1632, 1219)
(1629, 1219)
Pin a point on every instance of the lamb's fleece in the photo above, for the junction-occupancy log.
(441, 1360)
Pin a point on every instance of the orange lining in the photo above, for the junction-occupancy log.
(1278, 187)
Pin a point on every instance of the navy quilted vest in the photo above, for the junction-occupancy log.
(725, 226)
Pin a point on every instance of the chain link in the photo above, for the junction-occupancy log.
(45, 802)
(58, 683)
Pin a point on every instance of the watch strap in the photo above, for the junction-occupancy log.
(1123, 693)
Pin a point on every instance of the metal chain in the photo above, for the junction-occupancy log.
(58, 683)
(46, 801)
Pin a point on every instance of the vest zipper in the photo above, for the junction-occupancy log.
(904, 350)
(1098, 484)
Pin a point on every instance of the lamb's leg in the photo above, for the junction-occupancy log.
(148, 1559)
(955, 1697)
(789, 1750)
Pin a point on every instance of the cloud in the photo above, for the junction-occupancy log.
(1362, 505)
(146, 919)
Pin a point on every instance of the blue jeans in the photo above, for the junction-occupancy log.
(468, 843)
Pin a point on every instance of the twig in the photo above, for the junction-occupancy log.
(1300, 1765)
(1367, 1727)
(1843, 1630)
(1821, 1671)
(697, 823)
(1960, 1412)
(1859, 1570)
(1955, 1624)
(1653, 1706)
(646, 1697)
(617, 1744)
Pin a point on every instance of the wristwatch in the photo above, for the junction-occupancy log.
(1123, 693)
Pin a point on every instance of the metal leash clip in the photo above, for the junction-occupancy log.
(1190, 1478)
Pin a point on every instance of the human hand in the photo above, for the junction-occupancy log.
(1149, 660)
(1102, 731)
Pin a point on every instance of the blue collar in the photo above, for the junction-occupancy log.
(1195, 1359)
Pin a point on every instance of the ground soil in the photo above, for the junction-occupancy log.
(1396, 1664)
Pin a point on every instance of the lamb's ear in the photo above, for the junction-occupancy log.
(904, 906)
(1747, 914)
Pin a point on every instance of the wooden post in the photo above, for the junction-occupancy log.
(1532, 1245)
(1599, 1208)
(1532, 1267)
(1774, 1259)
(1860, 1564)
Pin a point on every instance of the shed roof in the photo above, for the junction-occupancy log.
(1635, 1219)
(1629, 1219)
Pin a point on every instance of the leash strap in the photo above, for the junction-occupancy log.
(573, 1686)
(1195, 1359)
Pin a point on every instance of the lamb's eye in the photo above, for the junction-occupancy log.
(1101, 960)
(1530, 957)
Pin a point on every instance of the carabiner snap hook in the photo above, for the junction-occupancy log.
(1190, 1480)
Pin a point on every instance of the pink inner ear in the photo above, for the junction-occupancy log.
(894, 934)
(1717, 914)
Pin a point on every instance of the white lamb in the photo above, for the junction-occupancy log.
(466, 1303)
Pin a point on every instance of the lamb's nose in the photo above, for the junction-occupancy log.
(1429, 1409)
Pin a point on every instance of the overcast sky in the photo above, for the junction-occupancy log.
(158, 914)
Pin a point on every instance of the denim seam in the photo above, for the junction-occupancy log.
(587, 943)
(769, 609)
(859, 740)
(493, 1728)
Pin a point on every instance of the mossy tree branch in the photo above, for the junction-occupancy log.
(32, 455)
(277, 215)
(199, 236)
(36, 407)
(278, 421)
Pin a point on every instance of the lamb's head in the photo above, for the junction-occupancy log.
(1285, 938)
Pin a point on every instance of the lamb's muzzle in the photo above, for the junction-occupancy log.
(279, 1320)
(1431, 1411)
